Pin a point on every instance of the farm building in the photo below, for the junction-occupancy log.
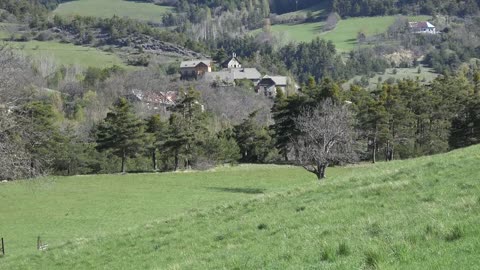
(151, 100)
(422, 28)
(195, 68)
(228, 77)
(269, 85)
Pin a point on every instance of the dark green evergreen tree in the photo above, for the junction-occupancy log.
(122, 132)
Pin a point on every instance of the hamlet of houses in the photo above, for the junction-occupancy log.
(232, 72)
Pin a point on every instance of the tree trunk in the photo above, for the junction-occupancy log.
(124, 158)
(374, 155)
(321, 168)
(176, 161)
(154, 160)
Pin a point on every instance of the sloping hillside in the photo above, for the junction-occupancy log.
(415, 214)
(108, 8)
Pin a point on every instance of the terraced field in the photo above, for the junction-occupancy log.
(109, 8)
(66, 54)
(344, 35)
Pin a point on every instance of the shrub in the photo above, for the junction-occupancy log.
(262, 226)
(300, 209)
(454, 234)
(343, 249)
(44, 36)
(374, 229)
(327, 255)
(371, 259)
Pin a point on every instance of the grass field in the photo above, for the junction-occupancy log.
(425, 76)
(108, 8)
(414, 214)
(344, 35)
(69, 209)
(67, 54)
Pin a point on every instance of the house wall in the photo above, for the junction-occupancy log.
(195, 72)
(234, 64)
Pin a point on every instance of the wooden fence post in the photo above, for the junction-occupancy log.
(38, 243)
(3, 248)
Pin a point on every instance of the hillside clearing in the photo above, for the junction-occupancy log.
(67, 54)
(63, 209)
(415, 214)
(344, 36)
(425, 76)
(108, 8)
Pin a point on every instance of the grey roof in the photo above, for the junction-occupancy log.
(226, 76)
(421, 25)
(246, 73)
(194, 63)
(233, 74)
(278, 80)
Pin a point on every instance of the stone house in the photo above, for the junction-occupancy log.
(422, 28)
(195, 69)
(268, 85)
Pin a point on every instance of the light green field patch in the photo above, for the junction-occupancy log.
(66, 209)
(344, 36)
(109, 8)
(67, 54)
(425, 76)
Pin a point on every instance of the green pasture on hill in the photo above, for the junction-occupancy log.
(344, 36)
(66, 53)
(71, 209)
(413, 214)
(108, 8)
(426, 76)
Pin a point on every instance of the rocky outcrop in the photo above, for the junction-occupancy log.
(155, 46)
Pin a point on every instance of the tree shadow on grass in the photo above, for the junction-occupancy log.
(239, 190)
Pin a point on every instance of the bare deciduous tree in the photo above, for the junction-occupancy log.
(16, 81)
(327, 137)
(331, 22)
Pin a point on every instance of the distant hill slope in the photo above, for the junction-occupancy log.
(108, 8)
(414, 214)
(344, 36)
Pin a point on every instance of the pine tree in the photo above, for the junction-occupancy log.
(122, 132)
(156, 136)
(284, 111)
(187, 128)
(40, 135)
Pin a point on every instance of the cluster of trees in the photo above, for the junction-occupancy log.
(66, 132)
(391, 7)
(401, 120)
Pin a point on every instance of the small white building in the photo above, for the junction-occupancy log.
(423, 28)
(232, 62)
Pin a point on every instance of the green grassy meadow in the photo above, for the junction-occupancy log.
(109, 8)
(344, 35)
(414, 214)
(66, 53)
(70, 209)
